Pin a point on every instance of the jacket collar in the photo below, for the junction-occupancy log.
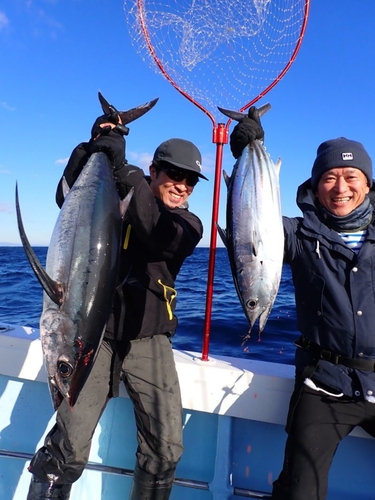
(314, 227)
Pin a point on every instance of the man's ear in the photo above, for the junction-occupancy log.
(153, 173)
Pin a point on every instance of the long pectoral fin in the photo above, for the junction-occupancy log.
(53, 289)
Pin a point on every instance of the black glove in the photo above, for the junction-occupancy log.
(111, 118)
(127, 177)
(247, 130)
(112, 143)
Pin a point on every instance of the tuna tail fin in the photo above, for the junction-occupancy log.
(131, 114)
(52, 288)
(236, 115)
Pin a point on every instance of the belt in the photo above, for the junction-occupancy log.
(334, 358)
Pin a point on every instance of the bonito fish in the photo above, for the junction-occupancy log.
(254, 235)
(81, 274)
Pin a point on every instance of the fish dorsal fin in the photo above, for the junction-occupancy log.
(124, 204)
(223, 235)
(65, 187)
(226, 178)
(278, 166)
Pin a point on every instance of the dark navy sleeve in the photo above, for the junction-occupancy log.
(291, 242)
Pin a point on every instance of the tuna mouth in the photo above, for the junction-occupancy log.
(56, 383)
(57, 397)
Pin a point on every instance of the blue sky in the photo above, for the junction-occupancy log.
(56, 54)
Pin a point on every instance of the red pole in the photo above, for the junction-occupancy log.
(220, 137)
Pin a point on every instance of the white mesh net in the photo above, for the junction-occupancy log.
(218, 52)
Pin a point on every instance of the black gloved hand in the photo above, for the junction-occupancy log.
(111, 118)
(247, 130)
(112, 143)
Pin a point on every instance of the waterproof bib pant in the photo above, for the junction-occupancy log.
(313, 437)
(150, 376)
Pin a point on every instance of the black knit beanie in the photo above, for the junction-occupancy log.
(340, 152)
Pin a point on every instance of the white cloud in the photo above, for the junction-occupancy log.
(208, 163)
(6, 208)
(51, 23)
(4, 21)
(6, 106)
(62, 161)
(142, 160)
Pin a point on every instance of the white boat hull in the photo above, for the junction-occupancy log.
(234, 413)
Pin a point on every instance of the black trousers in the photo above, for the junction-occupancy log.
(316, 425)
(149, 373)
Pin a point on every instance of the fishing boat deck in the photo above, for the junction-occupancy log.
(234, 416)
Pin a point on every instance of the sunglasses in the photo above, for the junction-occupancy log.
(178, 175)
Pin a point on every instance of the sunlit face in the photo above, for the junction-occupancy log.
(172, 193)
(342, 189)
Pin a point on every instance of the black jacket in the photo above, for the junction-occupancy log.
(156, 241)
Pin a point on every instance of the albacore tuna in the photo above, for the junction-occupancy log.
(254, 235)
(80, 277)
(81, 272)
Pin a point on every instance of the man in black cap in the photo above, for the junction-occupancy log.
(331, 252)
(159, 233)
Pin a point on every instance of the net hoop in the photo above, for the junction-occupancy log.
(184, 93)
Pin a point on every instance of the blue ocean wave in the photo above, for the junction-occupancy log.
(21, 303)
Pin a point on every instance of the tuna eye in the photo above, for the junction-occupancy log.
(64, 369)
(251, 304)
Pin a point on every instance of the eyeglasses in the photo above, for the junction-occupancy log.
(178, 175)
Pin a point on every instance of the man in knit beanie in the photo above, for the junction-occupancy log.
(331, 252)
(341, 152)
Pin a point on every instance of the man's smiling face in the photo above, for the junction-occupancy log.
(172, 193)
(341, 190)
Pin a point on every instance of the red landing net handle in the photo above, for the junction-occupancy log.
(219, 137)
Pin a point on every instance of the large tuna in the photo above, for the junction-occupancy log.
(80, 277)
(254, 235)
(81, 272)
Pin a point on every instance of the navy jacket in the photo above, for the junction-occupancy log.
(335, 297)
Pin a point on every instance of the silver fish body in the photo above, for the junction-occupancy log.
(254, 236)
(80, 277)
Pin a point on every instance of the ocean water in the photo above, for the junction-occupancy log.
(21, 303)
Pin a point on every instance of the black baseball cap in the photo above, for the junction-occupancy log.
(181, 153)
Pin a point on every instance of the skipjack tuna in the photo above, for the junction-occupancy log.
(254, 235)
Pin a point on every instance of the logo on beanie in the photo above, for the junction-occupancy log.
(347, 156)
